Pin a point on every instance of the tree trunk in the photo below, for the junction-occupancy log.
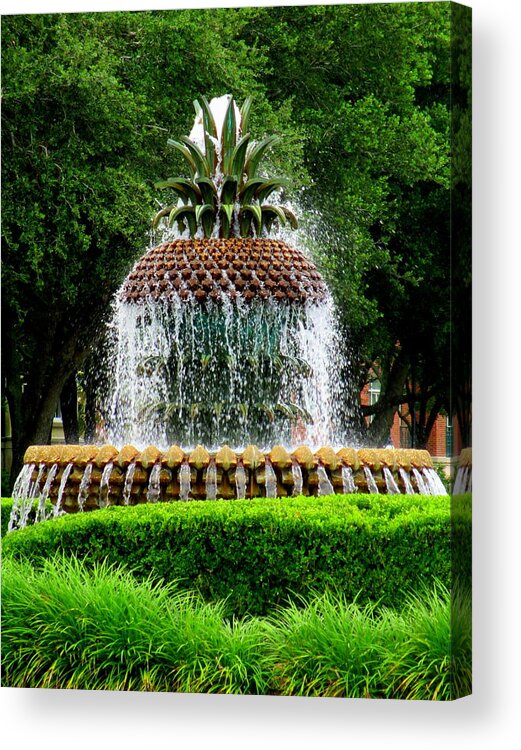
(69, 409)
(379, 430)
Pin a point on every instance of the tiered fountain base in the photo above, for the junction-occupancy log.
(88, 477)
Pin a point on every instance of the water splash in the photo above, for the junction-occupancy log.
(223, 373)
(390, 483)
(20, 496)
(463, 482)
(240, 482)
(65, 476)
(129, 479)
(371, 484)
(45, 493)
(409, 489)
(185, 481)
(34, 490)
(154, 487)
(104, 485)
(211, 481)
(298, 482)
(83, 491)
(324, 484)
(420, 483)
(348, 481)
(434, 483)
(270, 480)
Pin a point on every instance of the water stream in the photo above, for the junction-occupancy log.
(298, 482)
(154, 487)
(409, 489)
(324, 484)
(20, 496)
(65, 476)
(390, 483)
(185, 481)
(271, 480)
(104, 485)
(83, 491)
(45, 493)
(371, 484)
(348, 481)
(240, 482)
(211, 481)
(129, 479)
(420, 482)
(434, 483)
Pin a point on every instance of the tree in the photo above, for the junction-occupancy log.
(88, 100)
(373, 94)
(73, 211)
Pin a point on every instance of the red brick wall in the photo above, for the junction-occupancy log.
(437, 443)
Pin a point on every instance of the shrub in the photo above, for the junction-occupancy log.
(258, 553)
(70, 625)
(432, 658)
(329, 647)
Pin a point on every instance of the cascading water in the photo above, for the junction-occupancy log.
(211, 481)
(270, 480)
(104, 487)
(84, 486)
(420, 482)
(433, 481)
(373, 487)
(392, 487)
(26, 506)
(129, 478)
(223, 373)
(324, 484)
(240, 482)
(34, 491)
(185, 483)
(20, 494)
(66, 472)
(409, 490)
(42, 514)
(298, 482)
(348, 482)
(154, 488)
(463, 482)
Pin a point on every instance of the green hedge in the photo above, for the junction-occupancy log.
(258, 553)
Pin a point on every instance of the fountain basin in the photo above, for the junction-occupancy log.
(99, 476)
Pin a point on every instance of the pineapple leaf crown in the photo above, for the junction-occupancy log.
(224, 196)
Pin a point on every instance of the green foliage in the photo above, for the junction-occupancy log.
(364, 100)
(71, 625)
(87, 101)
(260, 553)
(329, 647)
(432, 657)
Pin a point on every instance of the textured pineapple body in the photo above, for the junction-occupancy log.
(218, 270)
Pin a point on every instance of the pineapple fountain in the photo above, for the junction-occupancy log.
(222, 336)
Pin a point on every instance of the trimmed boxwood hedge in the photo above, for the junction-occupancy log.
(260, 553)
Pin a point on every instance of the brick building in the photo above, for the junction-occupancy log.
(444, 440)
